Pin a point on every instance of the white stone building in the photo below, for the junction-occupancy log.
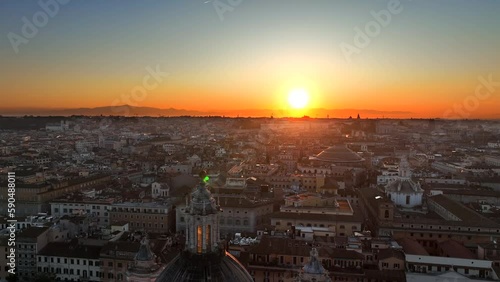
(98, 210)
(160, 190)
(70, 261)
(404, 191)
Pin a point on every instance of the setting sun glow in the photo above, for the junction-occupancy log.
(298, 98)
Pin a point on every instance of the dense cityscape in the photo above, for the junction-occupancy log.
(249, 141)
(249, 199)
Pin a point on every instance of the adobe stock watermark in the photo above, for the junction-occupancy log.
(484, 89)
(31, 27)
(363, 37)
(224, 6)
(138, 93)
(11, 210)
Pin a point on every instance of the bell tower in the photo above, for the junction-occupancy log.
(202, 230)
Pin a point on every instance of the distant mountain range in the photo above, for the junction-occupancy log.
(124, 110)
(127, 110)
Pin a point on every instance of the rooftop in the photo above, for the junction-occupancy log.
(339, 153)
(451, 248)
(412, 247)
(71, 250)
(459, 210)
(356, 217)
(32, 232)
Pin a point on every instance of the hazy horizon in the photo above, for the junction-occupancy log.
(252, 113)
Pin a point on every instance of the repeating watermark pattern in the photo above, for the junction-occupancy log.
(11, 210)
(363, 37)
(223, 6)
(150, 81)
(484, 89)
(30, 28)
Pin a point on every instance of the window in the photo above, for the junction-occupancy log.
(208, 232)
(199, 239)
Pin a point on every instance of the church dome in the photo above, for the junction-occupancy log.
(405, 186)
(205, 267)
(338, 154)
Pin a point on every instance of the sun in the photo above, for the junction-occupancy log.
(298, 98)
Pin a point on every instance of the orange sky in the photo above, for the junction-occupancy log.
(420, 64)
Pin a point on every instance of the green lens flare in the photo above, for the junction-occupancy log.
(206, 179)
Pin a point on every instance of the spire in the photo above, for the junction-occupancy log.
(314, 266)
(144, 253)
(314, 270)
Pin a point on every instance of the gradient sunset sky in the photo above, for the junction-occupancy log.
(91, 53)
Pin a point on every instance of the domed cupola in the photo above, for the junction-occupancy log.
(203, 258)
(403, 191)
(202, 201)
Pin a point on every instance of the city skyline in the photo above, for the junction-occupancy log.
(429, 60)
